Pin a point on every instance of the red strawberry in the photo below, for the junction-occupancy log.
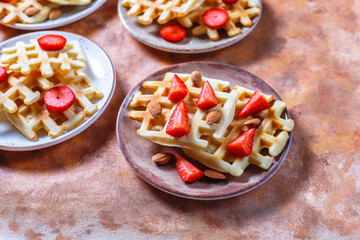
(178, 89)
(52, 42)
(229, 2)
(256, 104)
(58, 99)
(3, 74)
(187, 171)
(207, 97)
(173, 33)
(178, 125)
(242, 146)
(215, 18)
(7, 1)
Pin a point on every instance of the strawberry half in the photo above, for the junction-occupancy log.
(58, 99)
(215, 18)
(187, 171)
(7, 1)
(52, 42)
(173, 33)
(207, 97)
(256, 104)
(178, 125)
(242, 146)
(178, 89)
(3, 74)
(229, 2)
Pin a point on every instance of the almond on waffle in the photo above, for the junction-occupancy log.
(29, 119)
(240, 14)
(154, 129)
(14, 11)
(272, 135)
(27, 57)
(71, 2)
(164, 10)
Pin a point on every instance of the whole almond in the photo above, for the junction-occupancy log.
(54, 14)
(213, 117)
(31, 11)
(254, 122)
(226, 89)
(196, 78)
(155, 109)
(214, 175)
(162, 158)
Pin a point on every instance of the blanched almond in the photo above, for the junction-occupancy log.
(214, 175)
(54, 14)
(196, 78)
(31, 11)
(162, 158)
(254, 122)
(155, 109)
(213, 117)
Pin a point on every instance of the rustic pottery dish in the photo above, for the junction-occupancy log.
(69, 15)
(150, 35)
(100, 70)
(138, 151)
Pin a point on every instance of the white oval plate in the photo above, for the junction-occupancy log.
(150, 35)
(100, 70)
(69, 15)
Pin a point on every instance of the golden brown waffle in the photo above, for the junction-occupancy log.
(272, 135)
(27, 57)
(31, 118)
(27, 88)
(164, 10)
(15, 11)
(71, 2)
(155, 129)
(240, 14)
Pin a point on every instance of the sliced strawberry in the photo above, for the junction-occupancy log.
(187, 171)
(7, 1)
(229, 2)
(256, 104)
(3, 74)
(178, 89)
(58, 99)
(215, 18)
(178, 125)
(173, 33)
(242, 146)
(207, 97)
(52, 42)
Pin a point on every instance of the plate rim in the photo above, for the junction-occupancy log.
(236, 39)
(83, 126)
(39, 26)
(126, 101)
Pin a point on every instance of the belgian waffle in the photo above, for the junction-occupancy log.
(71, 2)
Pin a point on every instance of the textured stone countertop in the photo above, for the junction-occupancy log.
(308, 51)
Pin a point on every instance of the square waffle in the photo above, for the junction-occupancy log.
(164, 10)
(27, 57)
(15, 11)
(155, 129)
(271, 135)
(240, 14)
(28, 119)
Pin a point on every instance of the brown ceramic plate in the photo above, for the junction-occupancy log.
(138, 151)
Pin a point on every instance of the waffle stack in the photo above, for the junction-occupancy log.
(208, 143)
(189, 13)
(32, 11)
(32, 72)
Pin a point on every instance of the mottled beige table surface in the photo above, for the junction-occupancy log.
(308, 51)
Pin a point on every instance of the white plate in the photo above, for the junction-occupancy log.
(100, 70)
(150, 35)
(69, 15)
